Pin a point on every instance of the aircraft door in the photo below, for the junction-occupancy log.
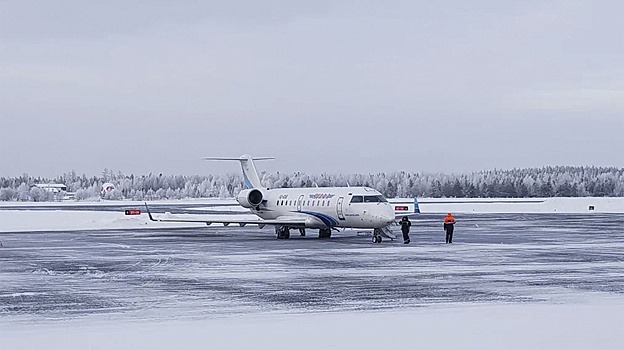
(339, 208)
(299, 201)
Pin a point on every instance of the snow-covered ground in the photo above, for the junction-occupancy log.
(593, 325)
(114, 203)
(55, 216)
(523, 205)
(50, 216)
(512, 281)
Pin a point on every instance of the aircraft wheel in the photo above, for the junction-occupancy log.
(377, 239)
(325, 233)
(283, 233)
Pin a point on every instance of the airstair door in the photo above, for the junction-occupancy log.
(339, 208)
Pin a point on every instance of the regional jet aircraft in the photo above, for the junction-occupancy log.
(324, 208)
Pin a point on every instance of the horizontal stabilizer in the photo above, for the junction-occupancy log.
(250, 174)
(238, 158)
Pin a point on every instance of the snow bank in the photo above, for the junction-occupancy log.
(222, 208)
(522, 205)
(596, 325)
(189, 201)
(54, 220)
(60, 220)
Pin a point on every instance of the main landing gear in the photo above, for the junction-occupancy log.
(282, 232)
(325, 233)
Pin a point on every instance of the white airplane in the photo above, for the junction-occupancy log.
(324, 208)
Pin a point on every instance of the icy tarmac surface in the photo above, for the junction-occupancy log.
(217, 271)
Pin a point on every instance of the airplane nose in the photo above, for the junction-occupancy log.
(387, 219)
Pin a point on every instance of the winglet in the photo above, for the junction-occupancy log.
(149, 213)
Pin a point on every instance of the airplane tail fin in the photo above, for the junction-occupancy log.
(250, 174)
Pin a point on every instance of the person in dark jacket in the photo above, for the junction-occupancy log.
(449, 226)
(405, 228)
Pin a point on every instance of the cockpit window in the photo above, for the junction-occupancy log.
(357, 199)
(371, 199)
(375, 199)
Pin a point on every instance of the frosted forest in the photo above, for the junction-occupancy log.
(559, 181)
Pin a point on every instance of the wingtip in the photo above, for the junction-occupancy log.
(149, 213)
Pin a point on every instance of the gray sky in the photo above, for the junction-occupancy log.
(339, 87)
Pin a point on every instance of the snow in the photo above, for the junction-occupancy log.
(62, 220)
(512, 281)
(116, 203)
(29, 216)
(69, 219)
(522, 205)
(225, 208)
(595, 325)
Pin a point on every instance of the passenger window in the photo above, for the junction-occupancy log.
(357, 199)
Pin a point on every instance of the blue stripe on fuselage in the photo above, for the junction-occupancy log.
(327, 220)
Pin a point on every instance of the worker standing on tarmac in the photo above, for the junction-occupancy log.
(449, 225)
(405, 228)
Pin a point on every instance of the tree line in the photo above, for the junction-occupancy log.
(557, 181)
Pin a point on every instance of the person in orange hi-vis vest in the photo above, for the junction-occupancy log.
(449, 225)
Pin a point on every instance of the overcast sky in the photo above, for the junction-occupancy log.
(338, 86)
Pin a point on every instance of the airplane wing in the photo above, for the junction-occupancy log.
(291, 222)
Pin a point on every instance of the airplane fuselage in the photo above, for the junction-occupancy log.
(327, 207)
(322, 208)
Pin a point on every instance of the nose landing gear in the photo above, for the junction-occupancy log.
(377, 238)
(385, 232)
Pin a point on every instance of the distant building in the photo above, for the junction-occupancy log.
(54, 188)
